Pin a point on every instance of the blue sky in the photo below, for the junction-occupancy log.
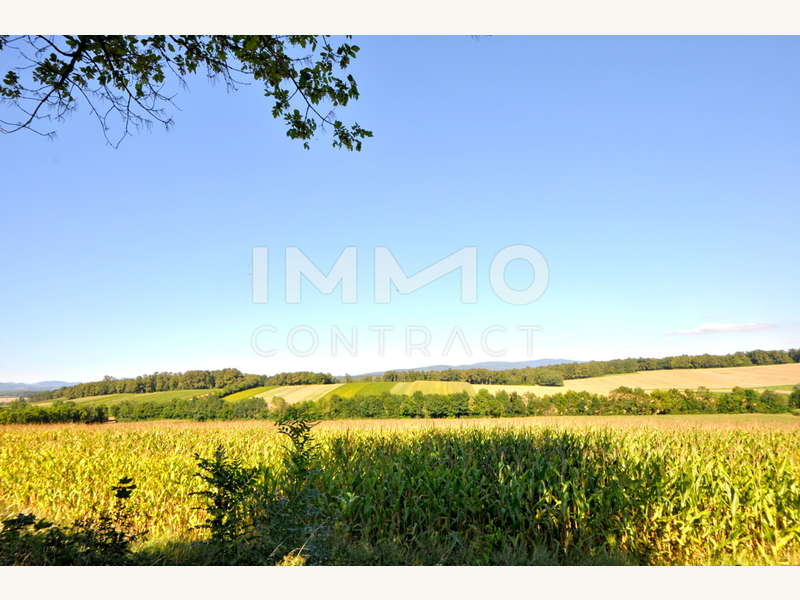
(658, 176)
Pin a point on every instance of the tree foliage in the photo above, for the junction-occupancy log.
(554, 374)
(227, 381)
(20, 412)
(130, 81)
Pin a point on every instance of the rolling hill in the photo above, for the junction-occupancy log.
(779, 377)
(722, 379)
(490, 365)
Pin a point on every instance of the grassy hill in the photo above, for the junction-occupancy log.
(112, 399)
(362, 388)
(777, 377)
(432, 387)
(300, 393)
(245, 394)
(781, 378)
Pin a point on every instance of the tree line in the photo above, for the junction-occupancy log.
(21, 412)
(621, 401)
(228, 380)
(555, 374)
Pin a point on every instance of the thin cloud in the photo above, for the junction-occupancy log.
(724, 328)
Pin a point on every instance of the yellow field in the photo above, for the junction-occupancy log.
(729, 422)
(700, 489)
(722, 379)
(726, 422)
(299, 393)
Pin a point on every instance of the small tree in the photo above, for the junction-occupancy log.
(549, 377)
(794, 397)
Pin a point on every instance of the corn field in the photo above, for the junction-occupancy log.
(521, 494)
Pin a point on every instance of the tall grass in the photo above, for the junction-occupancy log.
(467, 495)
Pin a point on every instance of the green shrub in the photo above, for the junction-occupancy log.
(102, 540)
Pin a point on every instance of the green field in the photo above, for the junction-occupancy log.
(362, 388)
(291, 393)
(301, 393)
(349, 390)
(779, 388)
(249, 393)
(376, 388)
(112, 399)
(432, 387)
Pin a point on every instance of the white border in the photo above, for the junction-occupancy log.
(409, 17)
(360, 17)
(404, 583)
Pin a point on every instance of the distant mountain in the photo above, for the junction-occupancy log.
(491, 365)
(39, 386)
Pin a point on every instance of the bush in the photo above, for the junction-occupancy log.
(549, 378)
(102, 540)
(794, 397)
(258, 517)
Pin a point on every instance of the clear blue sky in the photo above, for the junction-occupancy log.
(658, 176)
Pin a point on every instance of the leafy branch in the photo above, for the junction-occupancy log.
(123, 79)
